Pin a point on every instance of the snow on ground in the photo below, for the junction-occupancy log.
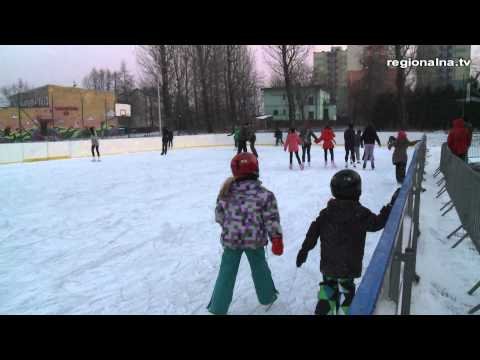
(446, 274)
(135, 234)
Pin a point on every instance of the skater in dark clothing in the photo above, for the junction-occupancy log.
(358, 144)
(349, 138)
(400, 157)
(306, 135)
(243, 136)
(278, 136)
(165, 137)
(342, 227)
(170, 139)
(292, 143)
(369, 137)
(249, 217)
(95, 144)
(252, 138)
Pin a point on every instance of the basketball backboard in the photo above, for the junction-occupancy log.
(122, 110)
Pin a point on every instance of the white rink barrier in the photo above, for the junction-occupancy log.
(38, 151)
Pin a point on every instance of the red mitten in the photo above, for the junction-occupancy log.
(317, 141)
(277, 245)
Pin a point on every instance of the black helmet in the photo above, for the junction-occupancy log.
(346, 185)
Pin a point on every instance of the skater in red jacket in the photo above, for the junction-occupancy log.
(459, 139)
(292, 142)
(328, 138)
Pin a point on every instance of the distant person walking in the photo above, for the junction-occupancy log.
(328, 138)
(252, 138)
(243, 136)
(369, 137)
(400, 157)
(349, 138)
(165, 139)
(292, 144)
(358, 144)
(170, 139)
(459, 139)
(278, 136)
(95, 144)
(306, 135)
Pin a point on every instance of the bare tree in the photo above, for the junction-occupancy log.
(402, 52)
(9, 91)
(284, 59)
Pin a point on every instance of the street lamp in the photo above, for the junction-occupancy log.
(159, 109)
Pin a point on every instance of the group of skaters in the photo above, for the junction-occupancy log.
(353, 141)
(249, 217)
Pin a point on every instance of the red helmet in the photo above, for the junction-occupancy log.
(244, 164)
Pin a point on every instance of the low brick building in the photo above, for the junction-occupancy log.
(59, 106)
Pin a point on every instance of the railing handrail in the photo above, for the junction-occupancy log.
(369, 290)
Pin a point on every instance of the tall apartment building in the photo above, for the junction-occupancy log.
(441, 76)
(330, 73)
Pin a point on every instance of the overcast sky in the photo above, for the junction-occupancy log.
(64, 64)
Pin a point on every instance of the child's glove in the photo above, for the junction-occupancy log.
(301, 257)
(317, 141)
(277, 245)
(394, 197)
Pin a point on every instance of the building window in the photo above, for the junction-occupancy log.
(311, 115)
(310, 100)
(284, 111)
(275, 112)
(283, 97)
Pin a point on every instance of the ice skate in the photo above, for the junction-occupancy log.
(346, 165)
(309, 164)
(302, 167)
(290, 166)
(325, 164)
(333, 165)
(93, 160)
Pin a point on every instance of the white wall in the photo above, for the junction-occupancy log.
(18, 152)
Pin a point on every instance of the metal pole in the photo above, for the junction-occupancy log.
(159, 109)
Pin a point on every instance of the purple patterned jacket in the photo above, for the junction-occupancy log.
(248, 216)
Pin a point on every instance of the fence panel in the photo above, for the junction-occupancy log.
(391, 272)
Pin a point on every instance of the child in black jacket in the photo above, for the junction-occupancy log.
(342, 227)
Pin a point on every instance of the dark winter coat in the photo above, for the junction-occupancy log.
(165, 135)
(459, 138)
(358, 140)
(400, 153)
(342, 227)
(369, 136)
(349, 137)
(278, 134)
(306, 136)
(245, 133)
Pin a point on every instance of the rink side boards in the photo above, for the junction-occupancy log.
(43, 151)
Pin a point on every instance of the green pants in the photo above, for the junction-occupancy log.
(335, 296)
(262, 279)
